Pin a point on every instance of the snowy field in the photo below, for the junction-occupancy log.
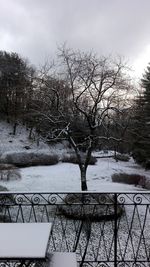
(63, 176)
(66, 177)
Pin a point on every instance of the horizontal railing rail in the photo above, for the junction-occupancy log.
(104, 229)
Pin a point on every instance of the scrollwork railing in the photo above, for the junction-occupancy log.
(105, 229)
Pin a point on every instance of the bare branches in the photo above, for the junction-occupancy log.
(80, 99)
(98, 80)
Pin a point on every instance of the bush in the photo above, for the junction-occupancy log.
(4, 199)
(3, 188)
(125, 178)
(121, 157)
(139, 156)
(147, 165)
(77, 207)
(9, 172)
(147, 183)
(26, 159)
(72, 158)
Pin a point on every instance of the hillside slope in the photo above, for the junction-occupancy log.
(20, 142)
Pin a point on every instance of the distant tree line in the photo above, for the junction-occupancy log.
(16, 87)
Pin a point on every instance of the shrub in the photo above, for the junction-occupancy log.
(121, 157)
(77, 207)
(3, 188)
(125, 178)
(139, 156)
(72, 158)
(147, 165)
(9, 172)
(26, 159)
(147, 183)
(4, 199)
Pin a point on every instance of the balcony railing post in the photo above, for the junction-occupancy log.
(115, 230)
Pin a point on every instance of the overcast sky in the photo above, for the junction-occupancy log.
(35, 28)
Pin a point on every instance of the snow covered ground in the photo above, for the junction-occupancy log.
(11, 143)
(63, 176)
(66, 177)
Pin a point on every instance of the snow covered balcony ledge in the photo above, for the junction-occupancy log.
(104, 229)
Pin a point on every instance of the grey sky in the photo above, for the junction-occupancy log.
(34, 28)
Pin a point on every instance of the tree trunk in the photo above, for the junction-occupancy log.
(14, 128)
(83, 180)
(83, 167)
(30, 133)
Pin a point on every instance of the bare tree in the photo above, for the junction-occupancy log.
(94, 87)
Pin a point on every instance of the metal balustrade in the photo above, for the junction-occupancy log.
(104, 229)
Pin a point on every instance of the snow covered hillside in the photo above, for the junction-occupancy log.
(21, 143)
(18, 142)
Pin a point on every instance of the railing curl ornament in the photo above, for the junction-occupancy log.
(102, 199)
(35, 199)
(3, 200)
(86, 199)
(52, 199)
(121, 199)
(137, 199)
(19, 199)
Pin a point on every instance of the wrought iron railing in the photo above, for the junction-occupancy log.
(105, 229)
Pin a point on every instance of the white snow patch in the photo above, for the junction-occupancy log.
(22, 240)
(66, 177)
